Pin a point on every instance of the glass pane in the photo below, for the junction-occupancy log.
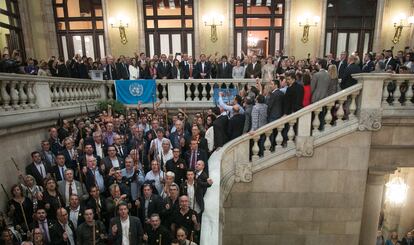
(353, 43)
(366, 43)
(258, 10)
(59, 1)
(4, 19)
(98, 12)
(239, 22)
(258, 22)
(99, 25)
(169, 11)
(3, 4)
(176, 43)
(59, 12)
(239, 8)
(80, 25)
(328, 43)
(239, 44)
(277, 41)
(189, 23)
(13, 8)
(279, 8)
(188, 10)
(65, 48)
(4, 33)
(149, 11)
(169, 23)
(101, 46)
(341, 45)
(189, 44)
(257, 42)
(150, 24)
(89, 49)
(151, 44)
(73, 8)
(61, 26)
(15, 22)
(165, 44)
(77, 45)
(278, 22)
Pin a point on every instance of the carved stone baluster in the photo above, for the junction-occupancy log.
(14, 95)
(291, 134)
(61, 95)
(255, 149)
(328, 116)
(385, 92)
(71, 93)
(340, 113)
(22, 95)
(75, 93)
(409, 93)
(316, 123)
(267, 143)
(397, 93)
(52, 93)
(97, 93)
(208, 93)
(31, 95)
(164, 91)
(66, 97)
(352, 107)
(196, 92)
(188, 92)
(5, 97)
(279, 137)
(204, 91)
(111, 94)
(84, 88)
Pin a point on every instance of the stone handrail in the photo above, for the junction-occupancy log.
(359, 107)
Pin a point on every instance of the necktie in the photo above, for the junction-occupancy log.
(41, 171)
(193, 159)
(62, 172)
(45, 231)
(110, 72)
(70, 189)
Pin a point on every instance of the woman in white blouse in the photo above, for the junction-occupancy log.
(165, 154)
(238, 71)
(133, 70)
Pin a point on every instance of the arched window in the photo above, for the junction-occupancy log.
(350, 26)
(168, 26)
(79, 27)
(10, 27)
(258, 26)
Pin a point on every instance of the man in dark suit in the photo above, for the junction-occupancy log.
(275, 102)
(157, 233)
(122, 68)
(38, 169)
(69, 186)
(348, 80)
(55, 145)
(225, 70)
(185, 66)
(46, 154)
(100, 148)
(70, 153)
(43, 223)
(58, 171)
(134, 232)
(254, 69)
(194, 154)
(64, 231)
(202, 69)
(369, 64)
(236, 123)
(112, 160)
(97, 203)
(341, 64)
(87, 153)
(75, 211)
(121, 149)
(164, 68)
(154, 204)
(390, 62)
(200, 186)
(220, 126)
(109, 69)
(293, 100)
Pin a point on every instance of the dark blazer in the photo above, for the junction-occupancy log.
(69, 162)
(201, 155)
(236, 125)
(174, 73)
(202, 143)
(226, 72)
(98, 213)
(122, 71)
(108, 164)
(368, 67)
(145, 73)
(341, 68)
(32, 170)
(198, 69)
(256, 72)
(293, 100)
(81, 219)
(164, 71)
(155, 205)
(124, 153)
(135, 230)
(348, 80)
(45, 159)
(80, 189)
(220, 130)
(275, 105)
(200, 186)
(107, 74)
(392, 62)
(56, 233)
(62, 71)
(55, 172)
(185, 69)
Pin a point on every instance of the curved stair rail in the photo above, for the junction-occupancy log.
(359, 107)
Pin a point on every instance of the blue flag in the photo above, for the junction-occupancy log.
(132, 91)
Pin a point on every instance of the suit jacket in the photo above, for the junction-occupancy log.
(45, 159)
(32, 170)
(122, 71)
(55, 145)
(174, 73)
(99, 211)
(104, 147)
(155, 205)
(55, 172)
(200, 188)
(220, 130)
(293, 100)
(226, 72)
(164, 71)
(341, 68)
(319, 85)
(201, 155)
(256, 72)
(236, 125)
(80, 189)
(56, 233)
(110, 70)
(69, 162)
(392, 62)
(81, 219)
(368, 67)
(108, 164)
(121, 154)
(348, 80)
(185, 69)
(275, 105)
(198, 69)
(135, 231)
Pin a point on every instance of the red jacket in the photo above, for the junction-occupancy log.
(307, 95)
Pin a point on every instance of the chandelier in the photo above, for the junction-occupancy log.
(252, 41)
(396, 191)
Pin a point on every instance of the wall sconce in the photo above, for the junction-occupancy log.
(400, 22)
(213, 20)
(307, 21)
(122, 25)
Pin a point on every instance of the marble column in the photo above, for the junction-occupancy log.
(376, 46)
(372, 203)
(286, 30)
(324, 6)
(108, 50)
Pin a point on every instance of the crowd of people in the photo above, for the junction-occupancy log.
(141, 177)
(393, 239)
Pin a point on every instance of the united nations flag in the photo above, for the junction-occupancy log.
(132, 91)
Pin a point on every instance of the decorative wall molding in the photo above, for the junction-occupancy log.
(370, 119)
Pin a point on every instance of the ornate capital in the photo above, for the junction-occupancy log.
(304, 146)
(243, 172)
(370, 119)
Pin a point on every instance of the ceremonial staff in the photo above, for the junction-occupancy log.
(160, 240)
(15, 164)
(93, 233)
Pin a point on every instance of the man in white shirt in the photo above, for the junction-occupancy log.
(75, 211)
(64, 231)
(126, 229)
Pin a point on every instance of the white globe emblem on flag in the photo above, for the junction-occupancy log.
(136, 89)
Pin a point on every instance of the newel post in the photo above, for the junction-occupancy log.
(369, 108)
